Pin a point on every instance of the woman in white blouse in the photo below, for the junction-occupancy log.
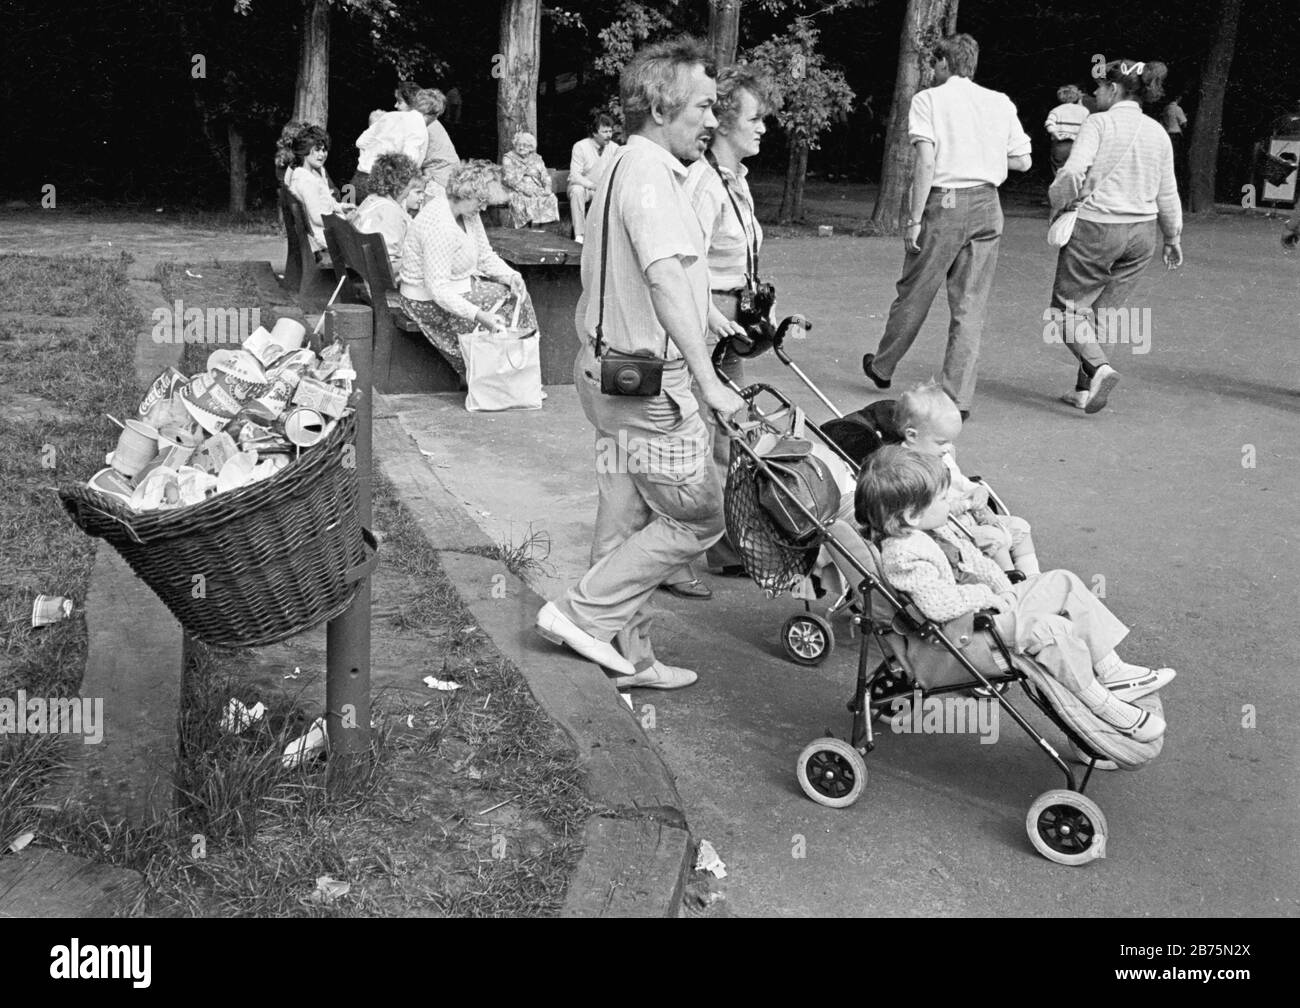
(306, 180)
(451, 278)
(392, 178)
(725, 206)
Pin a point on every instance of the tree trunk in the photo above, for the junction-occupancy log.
(724, 30)
(796, 171)
(311, 99)
(521, 41)
(925, 22)
(1203, 157)
(238, 170)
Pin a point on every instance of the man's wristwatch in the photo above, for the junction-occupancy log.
(912, 223)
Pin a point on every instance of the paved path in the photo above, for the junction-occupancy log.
(1150, 494)
(62, 232)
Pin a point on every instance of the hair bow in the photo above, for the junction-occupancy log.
(1128, 70)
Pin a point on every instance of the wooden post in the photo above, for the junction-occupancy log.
(516, 70)
(347, 637)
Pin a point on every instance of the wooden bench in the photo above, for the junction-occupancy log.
(404, 359)
(550, 265)
(303, 276)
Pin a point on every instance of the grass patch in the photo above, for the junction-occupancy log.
(80, 375)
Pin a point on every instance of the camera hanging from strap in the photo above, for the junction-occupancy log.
(751, 235)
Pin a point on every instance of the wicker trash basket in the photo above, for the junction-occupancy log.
(251, 566)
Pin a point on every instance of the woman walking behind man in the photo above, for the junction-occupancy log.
(1120, 178)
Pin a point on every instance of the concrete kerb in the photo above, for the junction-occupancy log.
(638, 846)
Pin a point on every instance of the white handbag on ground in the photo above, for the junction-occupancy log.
(503, 372)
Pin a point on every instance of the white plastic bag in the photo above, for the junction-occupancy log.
(1058, 234)
(503, 371)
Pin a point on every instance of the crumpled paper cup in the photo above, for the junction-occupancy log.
(237, 472)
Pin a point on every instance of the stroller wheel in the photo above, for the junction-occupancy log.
(831, 772)
(808, 639)
(1067, 827)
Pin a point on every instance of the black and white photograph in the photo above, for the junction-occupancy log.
(624, 459)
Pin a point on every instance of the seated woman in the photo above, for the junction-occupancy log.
(392, 179)
(902, 496)
(450, 275)
(306, 180)
(528, 184)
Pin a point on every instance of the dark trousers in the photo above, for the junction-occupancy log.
(959, 244)
(1095, 273)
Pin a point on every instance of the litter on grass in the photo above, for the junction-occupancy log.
(239, 718)
(309, 746)
(446, 686)
(706, 859)
(49, 609)
(328, 890)
(21, 841)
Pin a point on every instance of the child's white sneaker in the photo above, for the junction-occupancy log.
(1129, 682)
(1138, 724)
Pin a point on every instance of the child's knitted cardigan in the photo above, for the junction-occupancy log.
(915, 563)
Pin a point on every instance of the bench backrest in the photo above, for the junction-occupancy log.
(293, 238)
(363, 254)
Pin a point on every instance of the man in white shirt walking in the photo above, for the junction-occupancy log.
(965, 138)
(590, 157)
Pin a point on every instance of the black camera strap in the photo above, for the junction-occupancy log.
(604, 258)
(604, 261)
(751, 234)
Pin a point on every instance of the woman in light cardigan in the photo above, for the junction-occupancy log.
(718, 189)
(1120, 177)
(392, 179)
(451, 277)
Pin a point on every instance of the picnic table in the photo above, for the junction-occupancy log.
(550, 266)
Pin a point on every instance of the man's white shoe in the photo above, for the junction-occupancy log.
(1078, 398)
(1103, 381)
(659, 676)
(559, 629)
(1132, 681)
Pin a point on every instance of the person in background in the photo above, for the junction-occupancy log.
(451, 277)
(440, 157)
(1174, 120)
(1120, 179)
(720, 195)
(401, 131)
(306, 180)
(452, 111)
(528, 183)
(587, 163)
(965, 139)
(393, 179)
(1063, 124)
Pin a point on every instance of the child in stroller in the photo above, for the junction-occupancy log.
(927, 421)
(902, 496)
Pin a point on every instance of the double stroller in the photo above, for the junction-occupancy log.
(789, 514)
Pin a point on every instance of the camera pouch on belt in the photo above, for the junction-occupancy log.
(623, 373)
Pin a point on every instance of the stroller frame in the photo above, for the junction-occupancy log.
(1063, 825)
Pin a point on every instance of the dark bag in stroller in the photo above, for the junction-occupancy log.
(803, 477)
